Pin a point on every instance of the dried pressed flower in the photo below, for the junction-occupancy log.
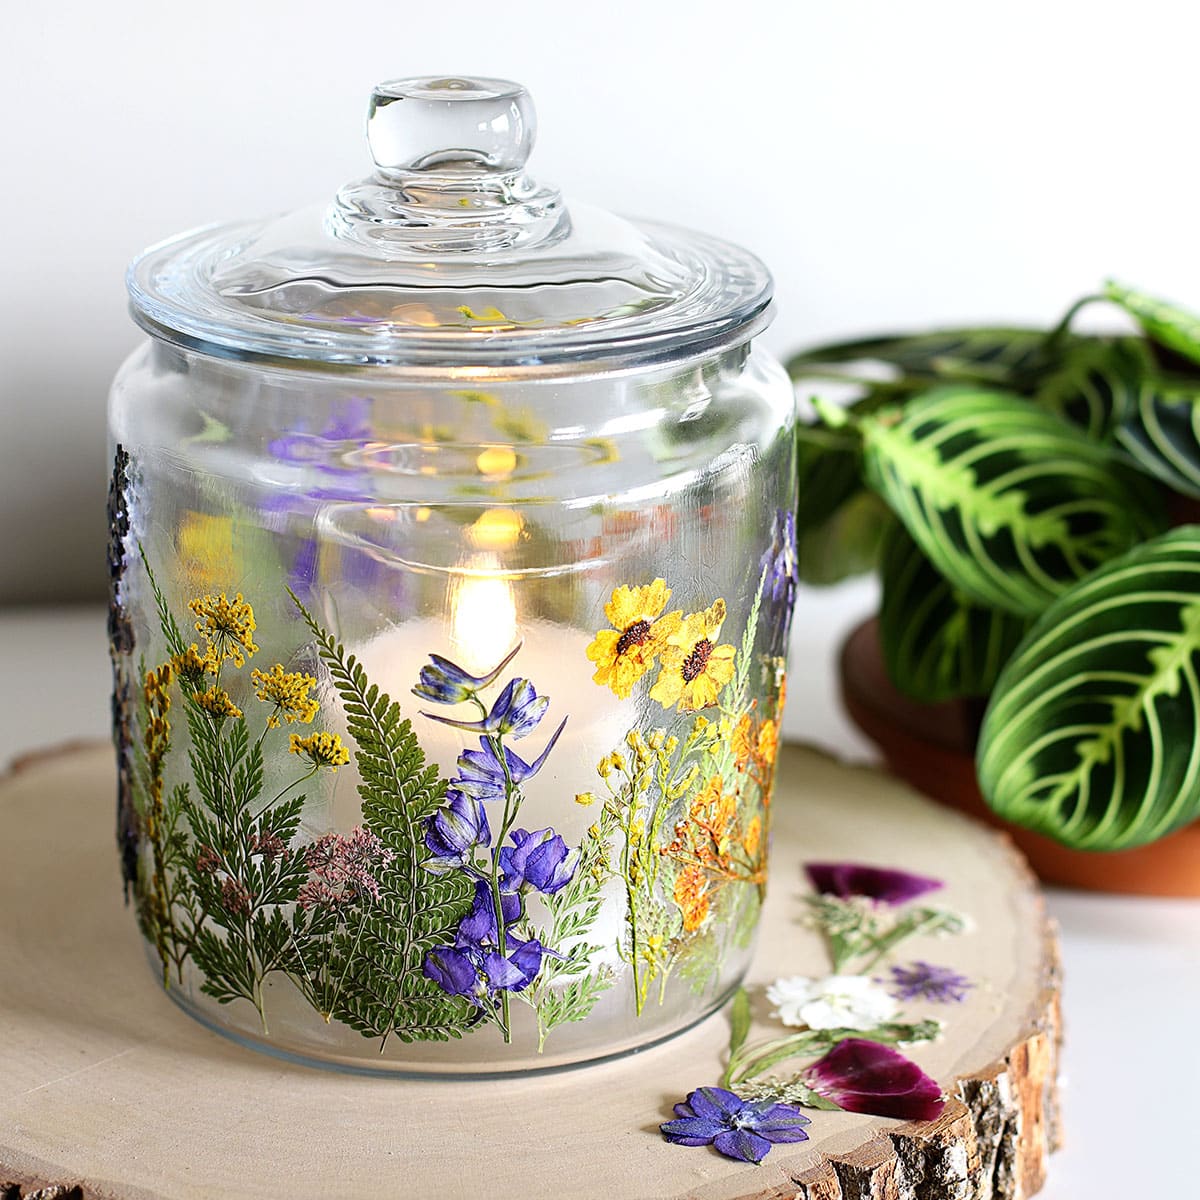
(208, 861)
(834, 1002)
(691, 894)
(269, 845)
(694, 666)
(227, 625)
(626, 652)
(191, 666)
(321, 749)
(217, 703)
(883, 884)
(235, 898)
(288, 693)
(868, 1077)
(737, 1128)
(925, 981)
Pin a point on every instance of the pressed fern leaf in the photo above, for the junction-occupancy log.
(384, 990)
(1009, 502)
(937, 643)
(1093, 733)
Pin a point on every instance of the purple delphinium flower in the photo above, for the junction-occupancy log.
(884, 884)
(454, 832)
(867, 1077)
(925, 981)
(516, 712)
(742, 1129)
(474, 967)
(537, 860)
(482, 774)
(783, 576)
(444, 682)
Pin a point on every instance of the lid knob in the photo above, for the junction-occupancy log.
(449, 172)
(450, 124)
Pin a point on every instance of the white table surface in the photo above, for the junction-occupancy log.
(1131, 1091)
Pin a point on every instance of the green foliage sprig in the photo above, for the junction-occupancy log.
(1012, 487)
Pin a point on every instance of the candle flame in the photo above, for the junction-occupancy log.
(483, 622)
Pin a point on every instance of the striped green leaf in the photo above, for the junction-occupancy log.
(1167, 324)
(845, 545)
(937, 644)
(1009, 502)
(1097, 384)
(1161, 434)
(1093, 732)
(1006, 356)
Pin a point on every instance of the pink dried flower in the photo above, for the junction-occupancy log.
(235, 898)
(343, 868)
(208, 862)
(269, 845)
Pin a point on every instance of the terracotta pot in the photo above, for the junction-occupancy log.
(932, 746)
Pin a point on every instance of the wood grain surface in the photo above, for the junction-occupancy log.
(111, 1091)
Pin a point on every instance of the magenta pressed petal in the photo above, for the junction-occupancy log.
(864, 1076)
(742, 1144)
(888, 885)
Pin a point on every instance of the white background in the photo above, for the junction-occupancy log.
(894, 163)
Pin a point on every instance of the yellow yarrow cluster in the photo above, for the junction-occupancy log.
(288, 691)
(217, 703)
(191, 666)
(227, 626)
(321, 749)
(158, 703)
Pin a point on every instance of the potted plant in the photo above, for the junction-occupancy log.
(1022, 494)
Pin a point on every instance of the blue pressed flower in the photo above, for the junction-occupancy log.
(516, 711)
(742, 1129)
(454, 831)
(884, 884)
(516, 972)
(478, 927)
(780, 560)
(482, 774)
(452, 970)
(537, 860)
(445, 682)
(925, 981)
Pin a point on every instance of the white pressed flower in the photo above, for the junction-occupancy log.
(835, 1002)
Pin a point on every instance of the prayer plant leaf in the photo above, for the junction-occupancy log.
(1161, 434)
(1009, 502)
(937, 643)
(1168, 324)
(1097, 384)
(1092, 736)
(1014, 357)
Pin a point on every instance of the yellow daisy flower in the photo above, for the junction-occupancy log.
(694, 666)
(626, 652)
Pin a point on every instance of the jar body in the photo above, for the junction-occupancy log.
(453, 881)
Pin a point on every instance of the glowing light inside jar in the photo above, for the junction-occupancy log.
(483, 621)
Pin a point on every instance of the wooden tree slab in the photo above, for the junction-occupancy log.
(110, 1091)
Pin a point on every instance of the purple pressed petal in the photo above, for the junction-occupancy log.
(742, 1144)
(864, 1076)
(520, 769)
(451, 970)
(781, 1123)
(885, 884)
(684, 1109)
(715, 1103)
(692, 1131)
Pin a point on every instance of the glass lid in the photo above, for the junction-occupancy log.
(449, 255)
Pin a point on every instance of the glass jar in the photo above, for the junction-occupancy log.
(452, 561)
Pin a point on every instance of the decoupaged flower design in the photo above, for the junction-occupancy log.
(288, 694)
(227, 625)
(640, 631)
(925, 981)
(694, 665)
(321, 749)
